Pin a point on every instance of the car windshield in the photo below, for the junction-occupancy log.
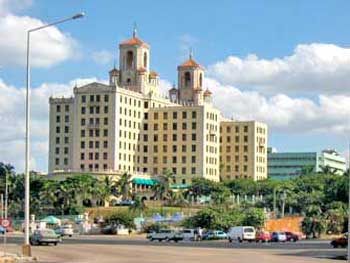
(248, 230)
(47, 232)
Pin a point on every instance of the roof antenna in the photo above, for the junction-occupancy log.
(191, 53)
(134, 32)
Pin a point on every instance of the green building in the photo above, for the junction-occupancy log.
(287, 165)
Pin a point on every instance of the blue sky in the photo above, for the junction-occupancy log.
(271, 30)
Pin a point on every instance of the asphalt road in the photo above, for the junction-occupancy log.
(107, 248)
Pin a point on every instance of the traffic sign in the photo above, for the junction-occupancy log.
(5, 222)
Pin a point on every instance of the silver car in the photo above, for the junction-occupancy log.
(46, 236)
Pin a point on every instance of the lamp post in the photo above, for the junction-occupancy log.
(26, 246)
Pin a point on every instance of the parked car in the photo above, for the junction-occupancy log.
(2, 230)
(65, 230)
(278, 237)
(263, 236)
(292, 237)
(214, 235)
(166, 235)
(46, 236)
(190, 234)
(340, 242)
(241, 233)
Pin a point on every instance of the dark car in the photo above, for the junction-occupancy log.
(292, 237)
(340, 242)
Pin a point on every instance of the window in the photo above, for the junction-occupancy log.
(129, 59)
(97, 156)
(184, 114)
(91, 144)
(105, 121)
(174, 160)
(106, 98)
(145, 138)
(105, 109)
(155, 137)
(193, 170)
(145, 105)
(155, 148)
(66, 118)
(165, 148)
(184, 126)
(245, 138)
(174, 115)
(194, 114)
(58, 129)
(91, 133)
(193, 148)
(194, 125)
(237, 129)
(200, 80)
(82, 133)
(165, 115)
(58, 108)
(83, 110)
(58, 119)
(187, 79)
(97, 109)
(183, 148)
(83, 98)
(92, 98)
(82, 122)
(82, 156)
(165, 126)
(145, 127)
(236, 139)
(183, 159)
(165, 159)
(65, 150)
(228, 129)
(145, 60)
(155, 127)
(174, 137)
(57, 161)
(105, 156)
(97, 144)
(245, 128)
(66, 129)
(165, 137)
(98, 98)
(105, 132)
(57, 140)
(193, 159)
(91, 156)
(174, 126)
(145, 149)
(91, 109)
(146, 116)
(66, 108)
(57, 150)
(184, 137)
(105, 144)
(174, 148)
(183, 170)
(97, 133)
(245, 148)
(156, 115)
(194, 136)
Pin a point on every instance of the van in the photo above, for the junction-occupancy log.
(190, 234)
(241, 233)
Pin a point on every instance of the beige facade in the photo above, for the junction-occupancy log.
(243, 150)
(127, 126)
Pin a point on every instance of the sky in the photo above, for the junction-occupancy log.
(286, 63)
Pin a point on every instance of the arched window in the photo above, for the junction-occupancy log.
(145, 60)
(129, 59)
(200, 80)
(128, 81)
(187, 79)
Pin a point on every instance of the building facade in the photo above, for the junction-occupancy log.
(287, 165)
(128, 126)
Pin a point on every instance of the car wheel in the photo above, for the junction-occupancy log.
(229, 240)
(151, 239)
(240, 240)
(55, 243)
(335, 245)
(70, 235)
(159, 240)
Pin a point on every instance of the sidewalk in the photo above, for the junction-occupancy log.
(12, 257)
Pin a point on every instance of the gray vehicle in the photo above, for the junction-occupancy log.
(166, 235)
(46, 236)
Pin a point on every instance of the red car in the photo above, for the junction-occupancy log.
(340, 242)
(263, 237)
(292, 237)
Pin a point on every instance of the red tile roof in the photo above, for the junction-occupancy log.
(191, 63)
(133, 41)
(153, 74)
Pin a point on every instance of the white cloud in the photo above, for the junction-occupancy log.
(12, 119)
(48, 46)
(328, 114)
(102, 57)
(311, 69)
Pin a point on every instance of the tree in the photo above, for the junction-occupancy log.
(123, 185)
(161, 189)
(254, 217)
(138, 205)
(220, 194)
(105, 190)
(201, 186)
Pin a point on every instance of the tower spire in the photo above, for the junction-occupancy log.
(191, 53)
(134, 32)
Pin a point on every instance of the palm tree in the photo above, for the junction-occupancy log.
(123, 185)
(177, 197)
(105, 190)
(162, 188)
(138, 205)
(328, 170)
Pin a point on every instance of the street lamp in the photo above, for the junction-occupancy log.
(26, 246)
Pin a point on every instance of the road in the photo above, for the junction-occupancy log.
(136, 249)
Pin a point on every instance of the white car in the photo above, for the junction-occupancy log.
(278, 237)
(65, 230)
(166, 235)
(241, 233)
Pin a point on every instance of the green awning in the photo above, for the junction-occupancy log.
(142, 181)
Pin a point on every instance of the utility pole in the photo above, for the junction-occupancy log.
(274, 203)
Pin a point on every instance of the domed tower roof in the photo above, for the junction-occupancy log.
(207, 92)
(190, 63)
(134, 41)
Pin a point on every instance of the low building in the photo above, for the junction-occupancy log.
(287, 165)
